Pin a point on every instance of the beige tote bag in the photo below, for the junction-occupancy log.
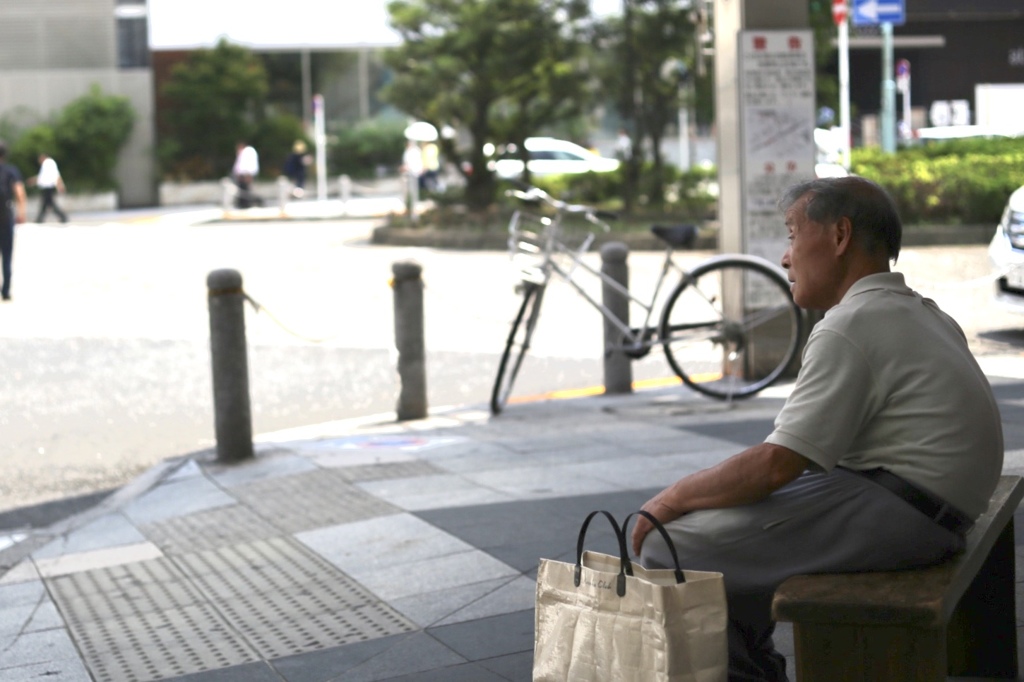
(605, 619)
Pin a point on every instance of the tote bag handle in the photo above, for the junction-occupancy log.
(680, 578)
(625, 566)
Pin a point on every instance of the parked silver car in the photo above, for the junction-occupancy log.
(1006, 251)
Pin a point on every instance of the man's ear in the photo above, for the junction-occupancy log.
(843, 235)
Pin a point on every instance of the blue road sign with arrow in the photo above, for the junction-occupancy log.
(874, 12)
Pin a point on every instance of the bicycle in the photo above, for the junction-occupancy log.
(729, 328)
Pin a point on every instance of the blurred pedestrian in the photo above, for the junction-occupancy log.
(295, 168)
(247, 167)
(49, 182)
(429, 180)
(12, 211)
(412, 161)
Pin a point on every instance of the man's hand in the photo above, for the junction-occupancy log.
(659, 510)
(748, 477)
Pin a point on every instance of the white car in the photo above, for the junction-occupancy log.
(1006, 252)
(551, 156)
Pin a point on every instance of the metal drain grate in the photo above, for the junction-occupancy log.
(145, 621)
(209, 529)
(287, 600)
(310, 500)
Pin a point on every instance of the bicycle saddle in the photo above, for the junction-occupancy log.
(679, 236)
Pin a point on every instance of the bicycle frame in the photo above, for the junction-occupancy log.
(637, 338)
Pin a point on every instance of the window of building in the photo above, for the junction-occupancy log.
(132, 34)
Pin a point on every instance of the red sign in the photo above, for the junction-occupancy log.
(839, 11)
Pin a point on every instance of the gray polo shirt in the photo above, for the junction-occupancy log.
(888, 381)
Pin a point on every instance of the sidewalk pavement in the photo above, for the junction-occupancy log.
(360, 550)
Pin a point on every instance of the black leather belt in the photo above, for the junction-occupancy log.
(939, 511)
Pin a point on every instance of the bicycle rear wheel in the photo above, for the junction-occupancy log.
(731, 328)
(517, 345)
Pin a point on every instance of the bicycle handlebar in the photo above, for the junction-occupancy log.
(531, 194)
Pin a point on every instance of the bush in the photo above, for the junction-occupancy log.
(90, 132)
(358, 150)
(959, 181)
(84, 138)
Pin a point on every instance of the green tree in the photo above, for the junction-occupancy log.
(214, 99)
(639, 59)
(491, 68)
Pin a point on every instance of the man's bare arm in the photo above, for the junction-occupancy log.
(748, 477)
(20, 211)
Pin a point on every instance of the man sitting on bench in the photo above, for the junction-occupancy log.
(885, 453)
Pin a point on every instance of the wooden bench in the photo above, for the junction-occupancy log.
(956, 618)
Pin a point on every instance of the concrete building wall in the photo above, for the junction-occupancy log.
(52, 53)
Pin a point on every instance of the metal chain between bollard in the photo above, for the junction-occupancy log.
(260, 308)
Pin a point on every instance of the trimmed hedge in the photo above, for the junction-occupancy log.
(958, 181)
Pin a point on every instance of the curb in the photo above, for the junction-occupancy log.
(493, 239)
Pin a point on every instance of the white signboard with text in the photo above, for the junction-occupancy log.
(776, 78)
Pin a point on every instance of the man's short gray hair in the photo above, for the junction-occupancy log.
(872, 212)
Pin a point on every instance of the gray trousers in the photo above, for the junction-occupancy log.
(819, 523)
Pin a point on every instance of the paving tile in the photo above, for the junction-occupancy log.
(517, 595)
(372, 661)
(38, 647)
(100, 558)
(209, 529)
(247, 672)
(259, 468)
(490, 637)
(429, 575)
(543, 481)
(519, 533)
(396, 540)
(29, 618)
(11, 539)
(329, 664)
(743, 433)
(430, 608)
(176, 498)
(513, 667)
(432, 492)
(310, 500)
(352, 458)
(109, 530)
(63, 670)
(21, 594)
(22, 572)
(467, 672)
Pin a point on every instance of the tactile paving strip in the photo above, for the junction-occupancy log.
(194, 612)
(209, 529)
(310, 500)
(145, 621)
(287, 600)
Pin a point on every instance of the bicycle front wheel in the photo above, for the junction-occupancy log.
(517, 345)
(731, 328)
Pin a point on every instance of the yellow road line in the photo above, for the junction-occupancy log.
(591, 390)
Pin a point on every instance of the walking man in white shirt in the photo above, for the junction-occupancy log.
(49, 183)
(246, 168)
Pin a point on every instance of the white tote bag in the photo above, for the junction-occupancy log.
(605, 619)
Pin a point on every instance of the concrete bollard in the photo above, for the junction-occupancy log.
(230, 363)
(412, 196)
(345, 187)
(412, 364)
(284, 191)
(618, 367)
(228, 191)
